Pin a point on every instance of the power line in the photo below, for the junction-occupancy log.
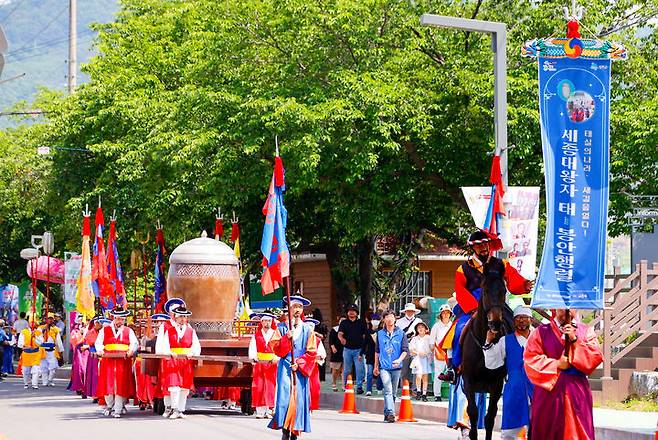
(47, 43)
(18, 3)
(27, 46)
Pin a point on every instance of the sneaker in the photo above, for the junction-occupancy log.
(390, 418)
(368, 393)
(359, 391)
(424, 398)
(437, 398)
(116, 415)
(334, 388)
(175, 415)
(35, 387)
(167, 412)
(418, 395)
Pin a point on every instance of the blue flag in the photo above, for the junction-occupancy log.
(574, 97)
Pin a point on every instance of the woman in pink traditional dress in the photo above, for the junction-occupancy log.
(558, 358)
(91, 372)
(80, 356)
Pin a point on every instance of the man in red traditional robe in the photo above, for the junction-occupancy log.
(558, 358)
(263, 384)
(180, 342)
(115, 345)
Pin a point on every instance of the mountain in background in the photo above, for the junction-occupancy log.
(37, 32)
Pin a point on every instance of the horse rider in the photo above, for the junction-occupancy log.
(468, 281)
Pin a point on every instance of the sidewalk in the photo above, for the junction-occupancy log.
(610, 424)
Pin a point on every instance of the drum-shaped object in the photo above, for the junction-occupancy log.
(205, 274)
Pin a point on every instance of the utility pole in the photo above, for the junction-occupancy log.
(73, 46)
(498, 33)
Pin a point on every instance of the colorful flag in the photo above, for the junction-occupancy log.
(114, 267)
(100, 281)
(84, 297)
(160, 284)
(276, 256)
(496, 209)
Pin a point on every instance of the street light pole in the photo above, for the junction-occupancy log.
(498, 32)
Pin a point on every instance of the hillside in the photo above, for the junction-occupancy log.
(37, 32)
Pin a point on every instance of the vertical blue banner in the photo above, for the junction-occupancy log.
(574, 104)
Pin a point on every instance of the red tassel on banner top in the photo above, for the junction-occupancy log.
(278, 171)
(159, 237)
(573, 29)
(219, 228)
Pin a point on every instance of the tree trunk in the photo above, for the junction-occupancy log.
(364, 251)
(340, 282)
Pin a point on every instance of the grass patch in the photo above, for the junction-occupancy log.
(640, 404)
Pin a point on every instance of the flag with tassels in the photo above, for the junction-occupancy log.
(276, 255)
(114, 267)
(84, 295)
(100, 280)
(160, 284)
(496, 209)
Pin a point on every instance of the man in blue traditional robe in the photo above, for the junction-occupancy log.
(292, 410)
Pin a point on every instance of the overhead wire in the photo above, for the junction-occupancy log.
(18, 3)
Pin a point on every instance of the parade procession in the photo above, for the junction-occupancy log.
(343, 219)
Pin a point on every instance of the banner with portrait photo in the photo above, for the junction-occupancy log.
(519, 225)
(574, 96)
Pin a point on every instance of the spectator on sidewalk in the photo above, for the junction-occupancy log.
(336, 357)
(19, 325)
(372, 320)
(421, 352)
(407, 323)
(321, 333)
(391, 348)
(352, 333)
(439, 331)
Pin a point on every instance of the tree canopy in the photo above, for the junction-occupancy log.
(380, 120)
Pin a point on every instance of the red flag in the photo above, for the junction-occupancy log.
(99, 276)
(235, 232)
(219, 229)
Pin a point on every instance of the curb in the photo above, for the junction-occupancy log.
(439, 414)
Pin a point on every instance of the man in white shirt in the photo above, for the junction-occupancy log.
(508, 351)
(407, 323)
(439, 331)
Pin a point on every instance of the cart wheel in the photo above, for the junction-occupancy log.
(158, 406)
(245, 402)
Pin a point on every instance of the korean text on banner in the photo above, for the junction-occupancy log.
(574, 97)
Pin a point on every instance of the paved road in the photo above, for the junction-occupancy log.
(57, 413)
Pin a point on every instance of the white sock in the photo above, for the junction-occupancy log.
(182, 400)
(174, 393)
(26, 375)
(35, 376)
(109, 401)
(51, 375)
(118, 404)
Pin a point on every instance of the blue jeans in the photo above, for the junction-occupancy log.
(390, 380)
(350, 357)
(369, 378)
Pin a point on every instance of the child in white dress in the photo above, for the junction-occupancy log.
(421, 350)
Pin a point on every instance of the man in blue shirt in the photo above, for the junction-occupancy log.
(391, 349)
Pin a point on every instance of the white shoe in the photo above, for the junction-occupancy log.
(368, 393)
(175, 415)
(35, 387)
(107, 412)
(116, 415)
(51, 384)
(167, 413)
(26, 387)
(181, 415)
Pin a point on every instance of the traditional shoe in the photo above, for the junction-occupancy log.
(181, 415)
(107, 412)
(167, 412)
(84, 396)
(27, 387)
(35, 387)
(175, 415)
(116, 415)
(124, 411)
(368, 393)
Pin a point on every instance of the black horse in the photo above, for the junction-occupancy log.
(476, 378)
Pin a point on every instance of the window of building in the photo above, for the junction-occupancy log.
(415, 286)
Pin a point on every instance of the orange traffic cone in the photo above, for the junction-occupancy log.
(406, 413)
(349, 404)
